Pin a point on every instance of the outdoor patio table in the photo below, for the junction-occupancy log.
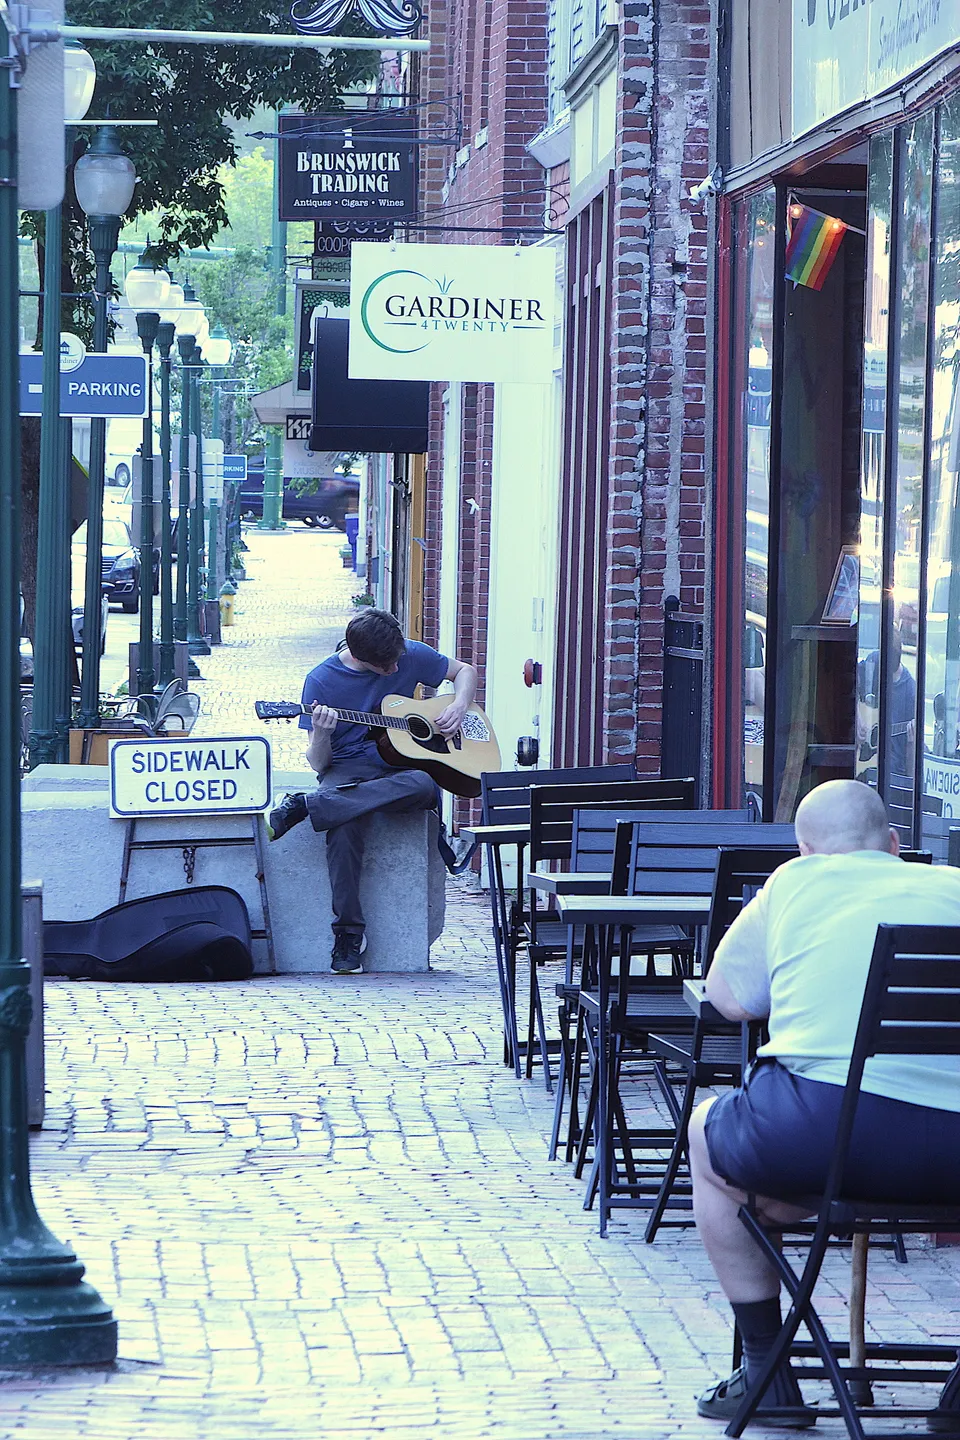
(603, 915)
(568, 882)
(629, 910)
(695, 994)
(497, 834)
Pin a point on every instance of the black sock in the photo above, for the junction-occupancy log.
(759, 1324)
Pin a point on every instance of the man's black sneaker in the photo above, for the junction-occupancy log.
(723, 1400)
(291, 810)
(347, 949)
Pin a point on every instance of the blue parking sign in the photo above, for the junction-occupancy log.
(235, 468)
(101, 385)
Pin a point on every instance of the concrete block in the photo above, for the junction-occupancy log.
(76, 849)
(396, 890)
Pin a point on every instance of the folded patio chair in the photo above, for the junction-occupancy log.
(200, 933)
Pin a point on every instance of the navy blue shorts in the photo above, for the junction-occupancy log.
(775, 1137)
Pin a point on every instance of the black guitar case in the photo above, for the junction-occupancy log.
(200, 933)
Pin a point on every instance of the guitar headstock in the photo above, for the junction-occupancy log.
(277, 710)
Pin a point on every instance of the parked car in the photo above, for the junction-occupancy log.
(120, 565)
(76, 620)
(327, 506)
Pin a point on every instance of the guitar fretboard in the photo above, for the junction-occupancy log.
(360, 717)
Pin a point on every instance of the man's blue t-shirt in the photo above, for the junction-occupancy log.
(335, 684)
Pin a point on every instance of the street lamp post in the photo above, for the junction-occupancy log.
(185, 345)
(52, 629)
(198, 644)
(103, 179)
(148, 323)
(272, 516)
(47, 643)
(165, 337)
(47, 1316)
(217, 353)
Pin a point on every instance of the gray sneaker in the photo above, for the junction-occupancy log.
(347, 949)
(291, 811)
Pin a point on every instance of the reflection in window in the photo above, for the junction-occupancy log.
(899, 713)
(941, 710)
(752, 392)
(876, 337)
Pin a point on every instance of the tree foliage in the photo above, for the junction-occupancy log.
(239, 293)
(189, 89)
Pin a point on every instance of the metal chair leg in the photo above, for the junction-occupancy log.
(574, 1127)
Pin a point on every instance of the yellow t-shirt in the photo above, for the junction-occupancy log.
(800, 952)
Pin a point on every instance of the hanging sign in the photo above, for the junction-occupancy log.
(845, 52)
(330, 293)
(385, 17)
(298, 427)
(452, 312)
(189, 777)
(335, 237)
(348, 166)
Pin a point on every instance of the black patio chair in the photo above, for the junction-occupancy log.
(552, 811)
(505, 800)
(622, 1008)
(911, 1007)
(592, 850)
(715, 1052)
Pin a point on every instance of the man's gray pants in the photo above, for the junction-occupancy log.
(342, 815)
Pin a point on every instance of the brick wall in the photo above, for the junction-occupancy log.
(493, 66)
(658, 399)
(494, 54)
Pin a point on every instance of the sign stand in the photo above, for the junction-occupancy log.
(189, 845)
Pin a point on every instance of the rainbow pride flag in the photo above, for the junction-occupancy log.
(813, 240)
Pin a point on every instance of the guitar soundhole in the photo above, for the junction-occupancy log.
(419, 728)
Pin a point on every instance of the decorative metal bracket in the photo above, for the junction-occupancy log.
(387, 17)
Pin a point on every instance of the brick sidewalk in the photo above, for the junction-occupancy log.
(323, 1208)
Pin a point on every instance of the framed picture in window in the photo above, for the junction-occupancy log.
(843, 597)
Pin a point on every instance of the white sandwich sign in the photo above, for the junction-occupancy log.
(225, 774)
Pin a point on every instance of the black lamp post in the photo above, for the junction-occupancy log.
(103, 179)
(148, 324)
(197, 643)
(166, 332)
(47, 1315)
(185, 345)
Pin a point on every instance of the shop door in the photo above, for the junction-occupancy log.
(815, 514)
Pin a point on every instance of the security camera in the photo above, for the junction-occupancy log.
(712, 185)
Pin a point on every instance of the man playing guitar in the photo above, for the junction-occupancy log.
(353, 779)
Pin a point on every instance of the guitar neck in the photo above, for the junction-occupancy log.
(361, 717)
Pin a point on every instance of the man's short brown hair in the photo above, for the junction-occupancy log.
(375, 637)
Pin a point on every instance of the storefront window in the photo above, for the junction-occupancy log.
(876, 338)
(941, 710)
(754, 245)
(817, 518)
(912, 274)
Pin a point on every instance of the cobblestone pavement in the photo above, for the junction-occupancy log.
(322, 1207)
(291, 611)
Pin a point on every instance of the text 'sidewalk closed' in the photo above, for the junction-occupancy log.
(189, 777)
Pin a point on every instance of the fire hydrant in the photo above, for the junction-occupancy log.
(227, 592)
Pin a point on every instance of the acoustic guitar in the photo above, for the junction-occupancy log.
(407, 737)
